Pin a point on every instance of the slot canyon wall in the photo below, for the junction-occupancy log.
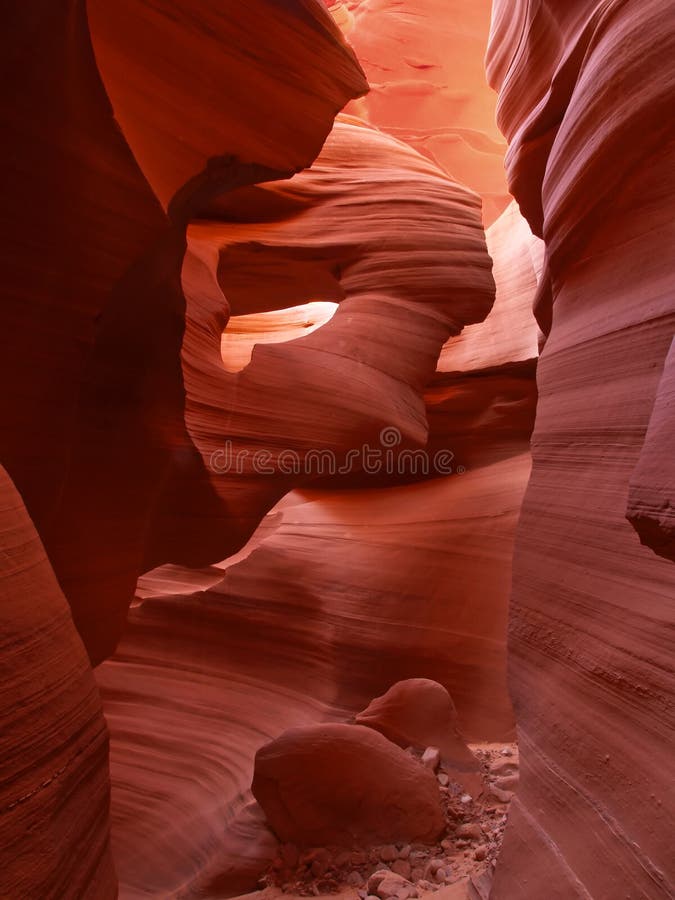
(209, 270)
(586, 99)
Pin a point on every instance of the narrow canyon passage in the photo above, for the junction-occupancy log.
(337, 447)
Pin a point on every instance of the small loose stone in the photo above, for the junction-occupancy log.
(499, 794)
(431, 758)
(470, 830)
(401, 867)
(507, 782)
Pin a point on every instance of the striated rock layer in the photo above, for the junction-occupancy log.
(586, 103)
(54, 785)
(373, 226)
(199, 88)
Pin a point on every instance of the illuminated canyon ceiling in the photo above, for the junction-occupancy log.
(337, 503)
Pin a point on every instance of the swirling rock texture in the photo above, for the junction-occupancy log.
(96, 347)
(424, 63)
(586, 99)
(415, 273)
(313, 618)
(187, 317)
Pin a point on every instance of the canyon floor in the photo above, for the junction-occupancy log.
(459, 865)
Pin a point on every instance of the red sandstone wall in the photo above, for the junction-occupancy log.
(586, 103)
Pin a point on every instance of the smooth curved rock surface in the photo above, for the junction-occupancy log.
(420, 713)
(345, 785)
(424, 63)
(420, 304)
(372, 225)
(509, 333)
(68, 166)
(188, 706)
(584, 102)
(197, 85)
(335, 572)
(247, 848)
(54, 783)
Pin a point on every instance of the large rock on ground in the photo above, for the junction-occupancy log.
(342, 785)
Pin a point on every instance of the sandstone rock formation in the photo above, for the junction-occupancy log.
(225, 643)
(313, 618)
(54, 786)
(95, 346)
(585, 100)
(247, 848)
(200, 89)
(91, 322)
(414, 273)
(419, 712)
(215, 290)
(345, 785)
